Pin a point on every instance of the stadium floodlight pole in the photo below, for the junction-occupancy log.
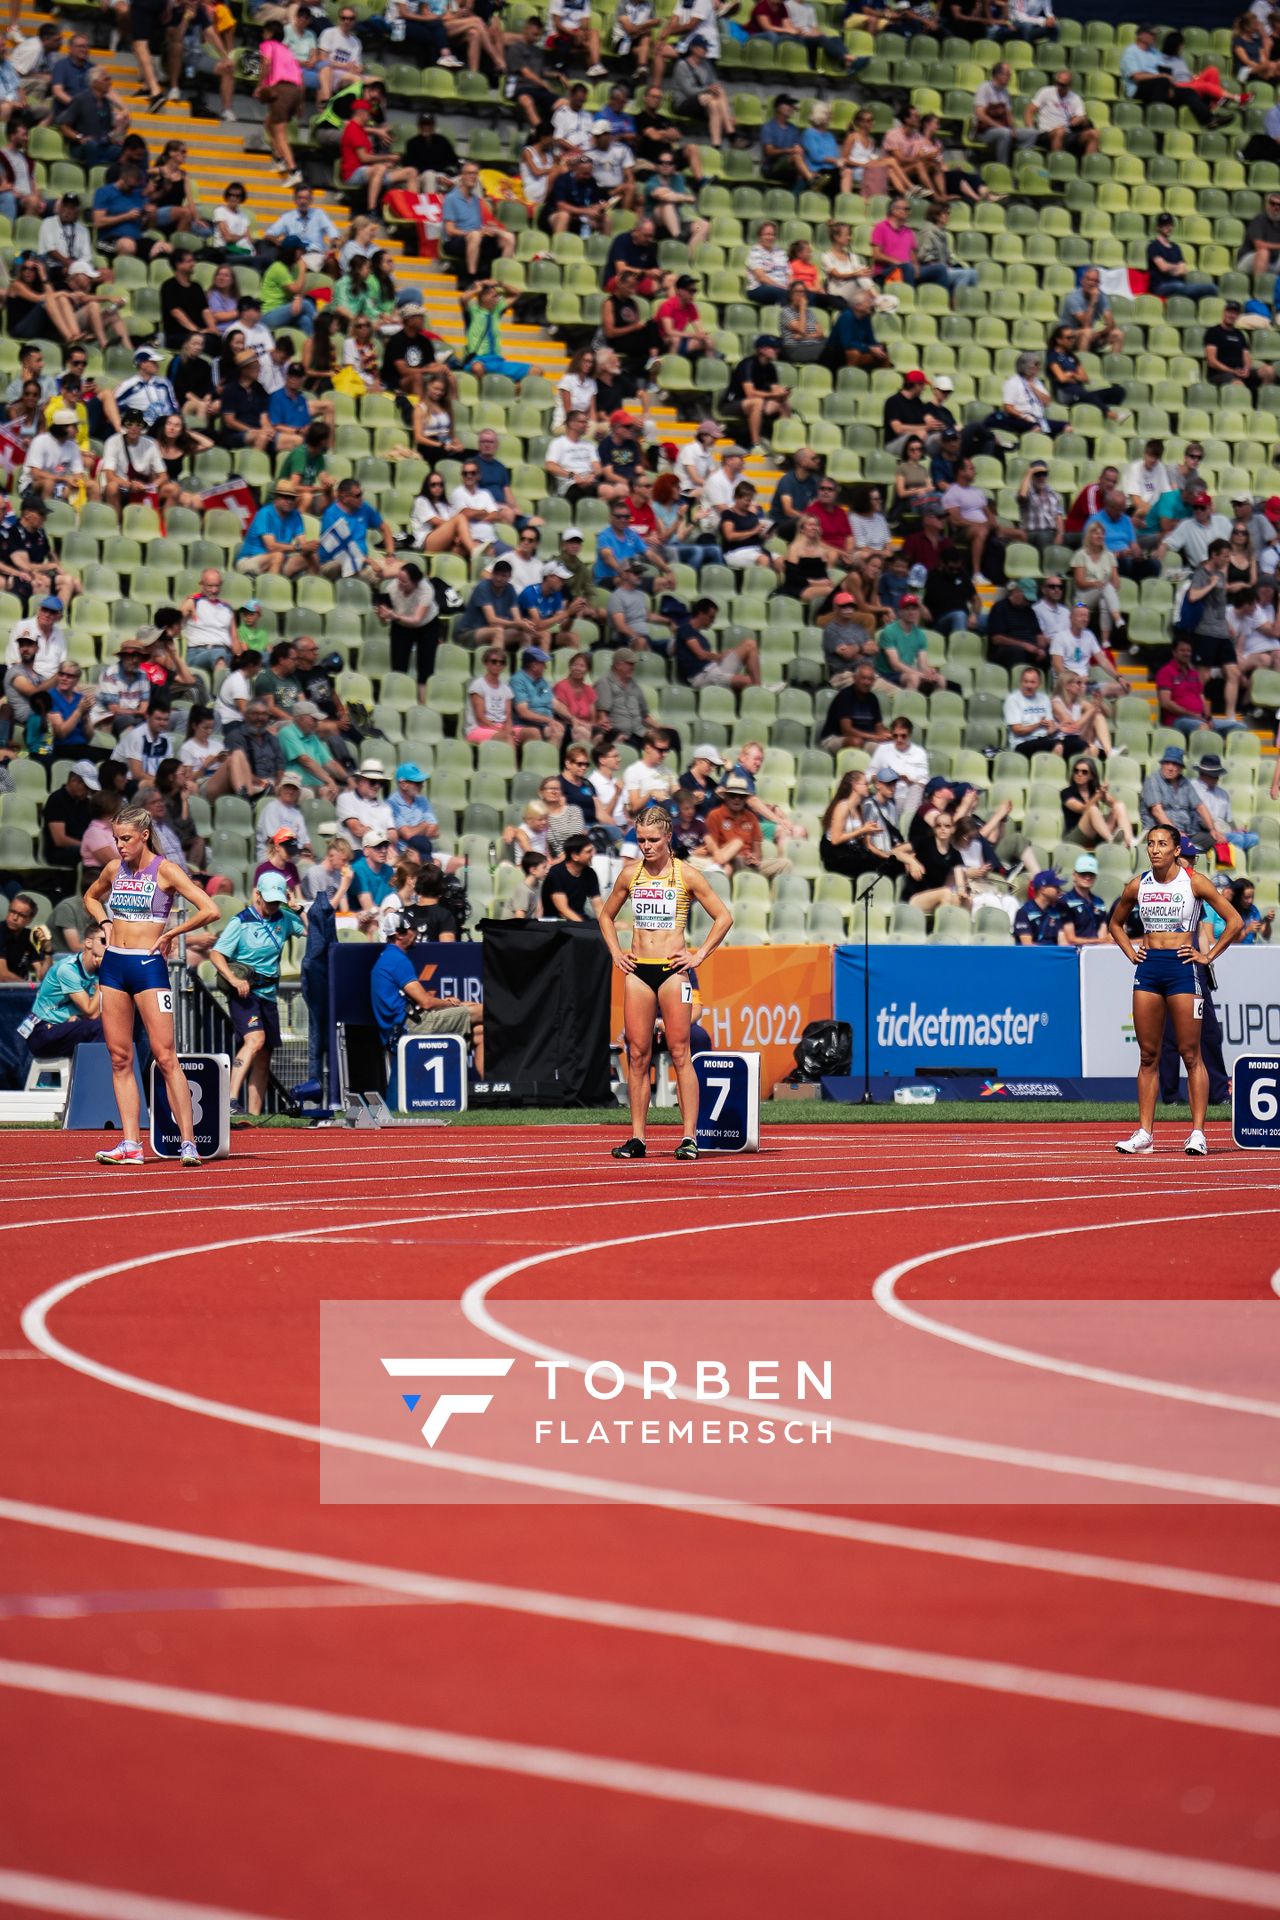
(868, 1098)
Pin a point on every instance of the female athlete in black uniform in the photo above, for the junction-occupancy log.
(660, 970)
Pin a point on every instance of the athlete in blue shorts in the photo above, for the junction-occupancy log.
(1170, 974)
(133, 897)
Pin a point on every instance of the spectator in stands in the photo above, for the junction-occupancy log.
(1075, 648)
(1058, 115)
(1014, 636)
(855, 717)
(123, 691)
(733, 837)
(1120, 536)
(1191, 538)
(767, 268)
(1029, 720)
(696, 89)
(903, 658)
(471, 234)
(937, 264)
(1080, 714)
(1066, 382)
(1087, 312)
(1180, 690)
(900, 755)
(852, 341)
(1227, 356)
(1208, 788)
(1212, 646)
(698, 664)
(993, 120)
(971, 517)
(1040, 919)
(622, 707)
(1167, 267)
(893, 246)
(1169, 799)
(1040, 509)
(1091, 813)
(1260, 253)
(209, 625)
(572, 884)
(783, 156)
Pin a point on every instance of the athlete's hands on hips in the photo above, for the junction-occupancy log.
(1187, 951)
(683, 962)
(1139, 952)
(623, 962)
(166, 941)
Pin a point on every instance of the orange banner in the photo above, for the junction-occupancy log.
(758, 1000)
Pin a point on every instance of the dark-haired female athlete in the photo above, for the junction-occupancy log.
(660, 970)
(1168, 898)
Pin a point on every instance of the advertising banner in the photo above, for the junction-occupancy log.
(757, 1000)
(1011, 1011)
(1247, 1003)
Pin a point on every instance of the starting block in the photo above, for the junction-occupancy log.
(363, 1110)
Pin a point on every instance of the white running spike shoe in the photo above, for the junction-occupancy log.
(1139, 1141)
(189, 1155)
(1196, 1142)
(127, 1154)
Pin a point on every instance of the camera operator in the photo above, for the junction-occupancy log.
(440, 905)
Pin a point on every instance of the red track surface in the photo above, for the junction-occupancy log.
(812, 1777)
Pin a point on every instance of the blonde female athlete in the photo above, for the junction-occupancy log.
(1168, 898)
(660, 970)
(132, 897)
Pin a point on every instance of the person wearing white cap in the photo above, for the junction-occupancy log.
(45, 628)
(67, 813)
(281, 811)
(247, 954)
(365, 808)
(54, 464)
(612, 164)
(144, 391)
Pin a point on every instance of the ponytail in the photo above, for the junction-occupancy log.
(140, 821)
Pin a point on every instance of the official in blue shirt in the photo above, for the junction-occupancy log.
(1038, 921)
(68, 1006)
(394, 981)
(1084, 916)
(247, 954)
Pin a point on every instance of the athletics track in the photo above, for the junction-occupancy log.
(220, 1697)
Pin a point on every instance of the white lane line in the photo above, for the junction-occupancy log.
(474, 1304)
(607, 1189)
(44, 1894)
(1060, 1563)
(357, 1583)
(34, 1322)
(884, 1293)
(607, 1773)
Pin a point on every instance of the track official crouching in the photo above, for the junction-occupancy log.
(401, 1004)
